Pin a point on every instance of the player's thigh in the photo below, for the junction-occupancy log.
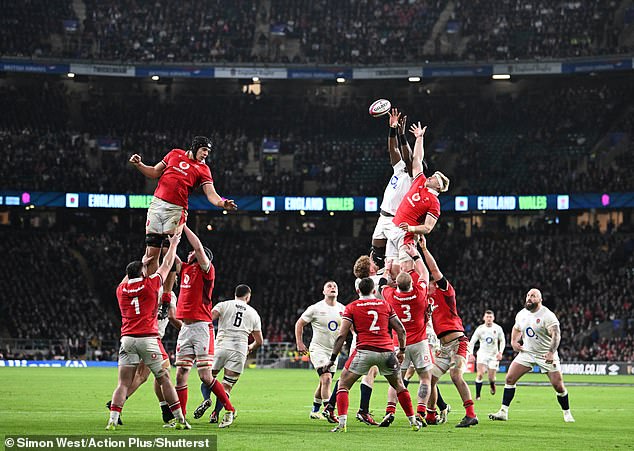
(382, 224)
(164, 217)
(481, 368)
(516, 371)
(319, 359)
(234, 363)
(419, 355)
(347, 379)
(128, 355)
(556, 380)
(150, 353)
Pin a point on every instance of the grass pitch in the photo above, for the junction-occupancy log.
(273, 407)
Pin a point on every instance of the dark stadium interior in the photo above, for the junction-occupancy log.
(546, 134)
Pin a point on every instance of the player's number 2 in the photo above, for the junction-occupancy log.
(374, 313)
(238, 320)
(135, 302)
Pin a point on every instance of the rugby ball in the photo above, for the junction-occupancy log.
(379, 107)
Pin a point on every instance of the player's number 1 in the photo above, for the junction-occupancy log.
(373, 326)
(135, 302)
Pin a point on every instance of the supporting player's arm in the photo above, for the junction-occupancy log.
(516, 335)
(258, 340)
(434, 269)
(299, 336)
(171, 315)
(151, 172)
(198, 247)
(392, 140)
(555, 339)
(419, 266)
(419, 151)
(215, 199)
(168, 259)
(397, 326)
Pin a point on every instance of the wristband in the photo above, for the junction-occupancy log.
(392, 132)
(403, 138)
(333, 357)
(415, 257)
(401, 349)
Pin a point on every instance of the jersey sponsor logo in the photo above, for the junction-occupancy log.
(366, 304)
(183, 165)
(530, 332)
(333, 325)
(489, 340)
(394, 181)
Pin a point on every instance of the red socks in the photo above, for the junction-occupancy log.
(181, 391)
(391, 408)
(343, 401)
(405, 401)
(468, 407)
(219, 391)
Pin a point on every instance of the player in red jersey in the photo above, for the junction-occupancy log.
(196, 337)
(179, 173)
(138, 301)
(452, 355)
(419, 210)
(409, 300)
(372, 319)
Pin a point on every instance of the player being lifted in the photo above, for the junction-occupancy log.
(409, 300)
(372, 319)
(325, 319)
(490, 336)
(236, 321)
(538, 329)
(419, 210)
(196, 337)
(452, 356)
(138, 301)
(398, 185)
(178, 174)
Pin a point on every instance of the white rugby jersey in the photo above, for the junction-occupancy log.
(396, 189)
(325, 321)
(375, 278)
(162, 323)
(491, 340)
(534, 328)
(236, 321)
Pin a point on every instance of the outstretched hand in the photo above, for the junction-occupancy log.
(417, 130)
(402, 124)
(394, 117)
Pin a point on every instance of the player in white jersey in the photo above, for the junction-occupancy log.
(398, 185)
(538, 329)
(143, 371)
(236, 321)
(491, 338)
(325, 318)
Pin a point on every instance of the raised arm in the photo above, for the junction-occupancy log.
(419, 266)
(201, 257)
(555, 339)
(419, 151)
(171, 315)
(392, 140)
(152, 172)
(168, 258)
(406, 150)
(215, 199)
(431, 264)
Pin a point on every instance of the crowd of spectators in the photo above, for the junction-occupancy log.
(587, 278)
(546, 137)
(511, 29)
(327, 31)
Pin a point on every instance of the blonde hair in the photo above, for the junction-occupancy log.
(362, 266)
(443, 181)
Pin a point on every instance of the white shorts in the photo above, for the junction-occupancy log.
(361, 360)
(133, 350)
(382, 224)
(395, 238)
(320, 358)
(526, 359)
(229, 360)
(489, 360)
(418, 354)
(451, 355)
(195, 341)
(164, 217)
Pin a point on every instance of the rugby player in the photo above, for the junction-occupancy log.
(490, 337)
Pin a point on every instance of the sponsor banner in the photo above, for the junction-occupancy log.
(174, 72)
(56, 363)
(110, 70)
(320, 73)
(37, 68)
(250, 72)
(458, 71)
(386, 72)
(597, 368)
(597, 66)
(527, 68)
(108, 144)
